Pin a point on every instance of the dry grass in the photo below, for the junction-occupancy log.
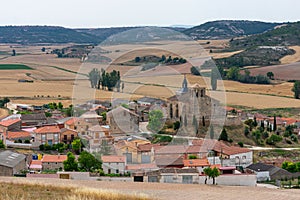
(291, 58)
(213, 44)
(168, 191)
(3, 113)
(29, 191)
(224, 55)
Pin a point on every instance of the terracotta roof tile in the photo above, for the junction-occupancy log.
(19, 134)
(141, 166)
(9, 122)
(71, 121)
(148, 147)
(196, 163)
(48, 129)
(54, 158)
(113, 159)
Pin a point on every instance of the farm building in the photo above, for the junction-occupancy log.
(11, 163)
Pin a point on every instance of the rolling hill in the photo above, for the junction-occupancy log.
(226, 29)
(43, 34)
(284, 35)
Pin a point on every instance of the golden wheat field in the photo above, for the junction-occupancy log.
(56, 84)
(292, 58)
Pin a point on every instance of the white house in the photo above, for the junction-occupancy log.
(114, 164)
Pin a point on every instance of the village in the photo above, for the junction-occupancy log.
(112, 142)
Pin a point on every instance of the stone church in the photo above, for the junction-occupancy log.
(194, 109)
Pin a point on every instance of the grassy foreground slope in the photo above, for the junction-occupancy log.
(29, 191)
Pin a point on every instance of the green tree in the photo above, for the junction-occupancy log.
(195, 124)
(254, 122)
(94, 77)
(70, 164)
(137, 59)
(87, 162)
(223, 135)
(270, 75)
(296, 89)
(211, 132)
(60, 105)
(76, 145)
(195, 71)
(156, 120)
(275, 124)
(214, 78)
(233, 73)
(246, 131)
(212, 173)
(176, 125)
(2, 146)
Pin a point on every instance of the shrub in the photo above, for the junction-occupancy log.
(192, 157)
(176, 125)
(273, 139)
(27, 141)
(241, 144)
(42, 147)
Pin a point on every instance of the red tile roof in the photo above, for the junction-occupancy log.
(229, 150)
(113, 159)
(36, 162)
(147, 147)
(54, 158)
(19, 134)
(141, 166)
(48, 129)
(9, 122)
(71, 121)
(196, 163)
(289, 121)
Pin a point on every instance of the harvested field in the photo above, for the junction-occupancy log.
(282, 72)
(224, 55)
(291, 58)
(260, 101)
(280, 89)
(166, 191)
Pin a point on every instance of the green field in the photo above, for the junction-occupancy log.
(14, 67)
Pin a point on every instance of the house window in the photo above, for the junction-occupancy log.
(237, 160)
(117, 171)
(65, 137)
(55, 136)
(43, 137)
(244, 159)
(72, 137)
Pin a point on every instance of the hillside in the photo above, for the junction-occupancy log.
(285, 35)
(103, 33)
(226, 29)
(43, 34)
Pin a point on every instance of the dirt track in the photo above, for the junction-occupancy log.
(175, 191)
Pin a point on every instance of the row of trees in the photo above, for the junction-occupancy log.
(234, 74)
(105, 80)
(296, 89)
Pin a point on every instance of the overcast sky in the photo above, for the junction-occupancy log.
(108, 13)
